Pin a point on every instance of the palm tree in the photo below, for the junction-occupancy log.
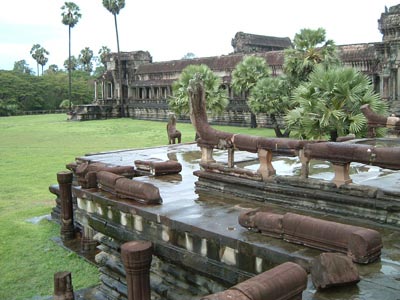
(216, 96)
(246, 75)
(329, 104)
(114, 7)
(35, 52)
(86, 59)
(39, 54)
(103, 53)
(271, 95)
(42, 59)
(310, 48)
(70, 17)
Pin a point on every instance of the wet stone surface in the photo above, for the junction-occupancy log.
(189, 216)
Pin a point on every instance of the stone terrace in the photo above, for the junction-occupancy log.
(199, 246)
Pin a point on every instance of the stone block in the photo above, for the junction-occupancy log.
(333, 269)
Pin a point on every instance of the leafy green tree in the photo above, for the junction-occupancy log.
(114, 7)
(22, 67)
(103, 53)
(329, 104)
(310, 48)
(52, 69)
(65, 104)
(271, 95)
(216, 96)
(246, 75)
(70, 17)
(19, 92)
(71, 63)
(85, 57)
(189, 55)
(101, 61)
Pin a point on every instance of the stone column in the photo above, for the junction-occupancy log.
(266, 169)
(88, 244)
(63, 289)
(95, 90)
(305, 164)
(342, 174)
(64, 179)
(136, 257)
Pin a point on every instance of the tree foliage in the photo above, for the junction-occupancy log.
(23, 92)
(70, 14)
(103, 53)
(85, 58)
(271, 95)
(39, 55)
(310, 48)
(114, 6)
(329, 104)
(22, 67)
(74, 64)
(216, 96)
(246, 75)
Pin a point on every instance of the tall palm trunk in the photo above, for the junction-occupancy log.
(69, 68)
(121, 97)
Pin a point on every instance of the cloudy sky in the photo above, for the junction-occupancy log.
(169, 29)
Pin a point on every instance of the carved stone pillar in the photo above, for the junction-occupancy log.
(266, 168)
(207, 155)
(64, 179)
(95, 90)
(63, 289)
(88, 244)
(342, 175)
(231, 157)
(136, 257)
(305, 164)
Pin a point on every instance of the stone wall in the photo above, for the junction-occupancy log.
(168, 281)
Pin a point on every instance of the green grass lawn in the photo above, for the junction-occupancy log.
(32, 150)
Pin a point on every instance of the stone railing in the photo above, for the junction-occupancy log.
(340, 154)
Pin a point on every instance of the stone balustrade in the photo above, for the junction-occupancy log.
(285, 282)
(363, 245)
(340, 154)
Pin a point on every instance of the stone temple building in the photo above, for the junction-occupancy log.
(146, 85)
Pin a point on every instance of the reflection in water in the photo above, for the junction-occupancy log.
(291, 166)
(377, 142)
(340, 293)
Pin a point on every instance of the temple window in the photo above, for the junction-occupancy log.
(109, 90)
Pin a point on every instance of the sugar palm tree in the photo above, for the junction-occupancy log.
(114, 7)
(85, 57)
(246, 75)
(35, 53)
(216, 96)
(42, 59)
(329, 104)
(70, 17)
(310, 48)
(103, 52)
(39, 55)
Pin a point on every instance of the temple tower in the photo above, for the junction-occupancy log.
(389, 26)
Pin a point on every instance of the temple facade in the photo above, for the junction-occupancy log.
(146, 85)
